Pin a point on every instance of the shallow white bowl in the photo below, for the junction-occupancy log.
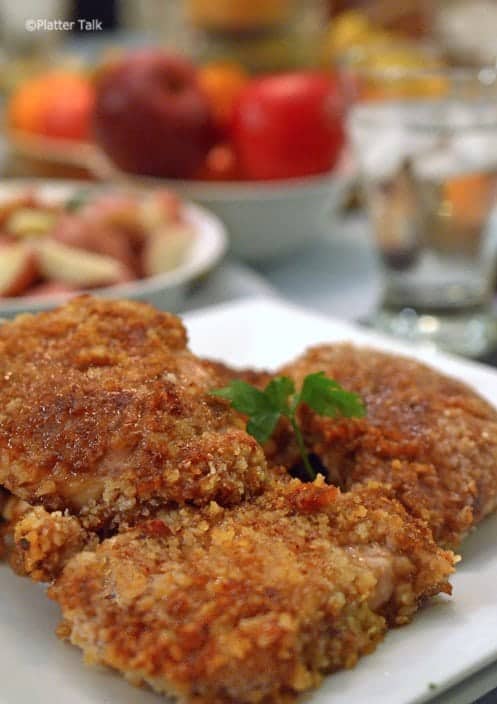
(273, 218)
(165, 290)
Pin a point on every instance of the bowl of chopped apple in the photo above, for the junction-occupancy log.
(58, 239)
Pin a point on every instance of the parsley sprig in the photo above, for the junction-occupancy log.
(280, 399)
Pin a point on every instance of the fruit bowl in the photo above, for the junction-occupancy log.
(165, 290)
(271, 219)
(264, 219)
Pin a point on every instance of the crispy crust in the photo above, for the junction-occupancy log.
(255, 603)
(430, 437)
(44, 542)
(106, 413)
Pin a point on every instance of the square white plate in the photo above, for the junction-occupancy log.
(447, 641)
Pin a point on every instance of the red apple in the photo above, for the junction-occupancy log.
(288, 125)
(151, 117)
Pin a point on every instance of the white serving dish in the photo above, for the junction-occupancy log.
(448, 640)
(165, 290)
(271, 219)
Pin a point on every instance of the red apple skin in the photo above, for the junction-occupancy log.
(82, 233)
(288, 125)
(151, 116)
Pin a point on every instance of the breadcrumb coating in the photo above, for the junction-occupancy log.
(44, 542)
(107, 414)
(430, 437)
(253, 603)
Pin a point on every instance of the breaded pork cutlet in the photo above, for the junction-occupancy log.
(106, 413)
(430, 437)
(253, 603)
(39, 543)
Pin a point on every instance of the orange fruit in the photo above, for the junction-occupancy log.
(58, 104)
(222, 82)
(25, 107)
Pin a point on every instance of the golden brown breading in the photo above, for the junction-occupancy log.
(44, 542)
(253, 603)
(430, 437)
(106, 413)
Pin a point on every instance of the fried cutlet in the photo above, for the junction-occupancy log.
(107, 414)
(253, 603)
(428, 436)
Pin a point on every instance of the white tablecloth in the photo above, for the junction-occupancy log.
(337, 276)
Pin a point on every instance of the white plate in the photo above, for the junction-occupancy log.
(165, 290)
(446, 642)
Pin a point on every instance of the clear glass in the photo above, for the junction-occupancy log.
(426, 146)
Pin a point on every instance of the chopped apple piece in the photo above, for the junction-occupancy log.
(79, 268)
(30, 222)
(18, 268)
(74, 231)
(160, 208)
(7, 207)
(165, 248)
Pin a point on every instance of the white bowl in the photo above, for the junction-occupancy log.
(165, 290)
(273, 218)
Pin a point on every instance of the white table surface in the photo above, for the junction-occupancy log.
(337, 276)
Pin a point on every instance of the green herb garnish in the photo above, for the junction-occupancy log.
(280, 399)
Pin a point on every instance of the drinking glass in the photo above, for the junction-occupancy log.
(425, 142)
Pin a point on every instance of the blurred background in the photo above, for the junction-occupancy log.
(349, 149)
